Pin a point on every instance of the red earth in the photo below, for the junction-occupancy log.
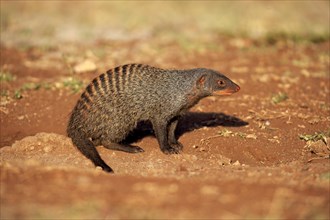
(243, 157)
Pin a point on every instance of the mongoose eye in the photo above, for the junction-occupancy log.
(221, 83)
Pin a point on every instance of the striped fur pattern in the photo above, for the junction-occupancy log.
(115, 101)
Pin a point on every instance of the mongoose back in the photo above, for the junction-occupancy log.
(115, 101)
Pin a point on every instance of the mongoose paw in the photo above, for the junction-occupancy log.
(123, 147)
(130, 149)
(170, 150)
(177, 145)
(137, 149)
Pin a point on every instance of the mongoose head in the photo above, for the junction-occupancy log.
(215, 83)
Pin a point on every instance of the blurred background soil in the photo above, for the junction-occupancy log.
(262, 153)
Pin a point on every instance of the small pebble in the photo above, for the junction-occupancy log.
(98, 168)
(48, 149)
(20, 117)
(251, 136)
(236, 163)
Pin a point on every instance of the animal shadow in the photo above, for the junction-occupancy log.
(189, 122)
(196, 120)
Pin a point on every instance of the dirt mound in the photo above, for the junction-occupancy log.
(43, 149)
(49, 151)
(44, 176)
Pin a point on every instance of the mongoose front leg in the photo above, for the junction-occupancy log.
(161, 132)
(171, 135)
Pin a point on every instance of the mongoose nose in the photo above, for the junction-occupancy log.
(237, 88)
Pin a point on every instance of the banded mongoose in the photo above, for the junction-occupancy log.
(115, 101)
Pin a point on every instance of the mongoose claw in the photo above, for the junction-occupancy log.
(138, 149)
(129, 148)
(178, 146)
(170, 150)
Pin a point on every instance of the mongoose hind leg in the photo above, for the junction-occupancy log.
(172, 140)
(122, 147)
(161, 132)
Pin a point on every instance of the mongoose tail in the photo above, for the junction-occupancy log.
(87, 148)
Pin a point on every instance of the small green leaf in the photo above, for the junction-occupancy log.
(279, 97)
(18, 94)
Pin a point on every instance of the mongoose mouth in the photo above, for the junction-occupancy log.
(228, 91)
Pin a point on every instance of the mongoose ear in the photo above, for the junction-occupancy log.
(201, 81)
